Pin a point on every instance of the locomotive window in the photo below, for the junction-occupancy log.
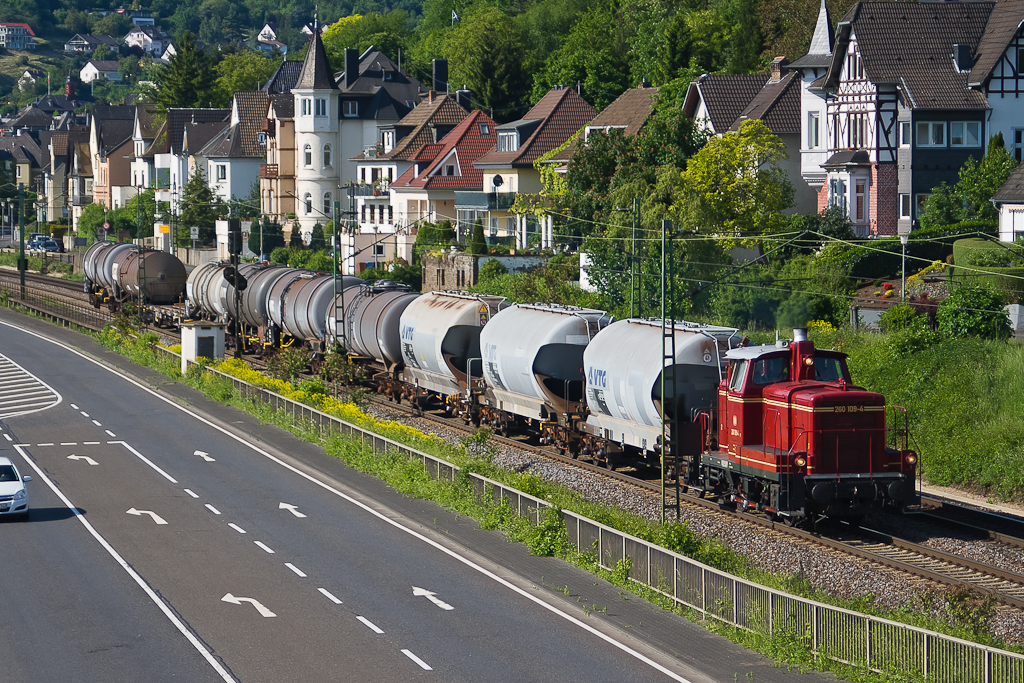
(770, 370)
(736, 371)
(827, 369)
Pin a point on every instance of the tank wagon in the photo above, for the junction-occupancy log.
(778, 428)
(117, 272)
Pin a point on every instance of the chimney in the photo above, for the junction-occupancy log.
(439, 74)
(777, 65)
(430, 95)
(962, 58)
(463, 97)
(351, 67)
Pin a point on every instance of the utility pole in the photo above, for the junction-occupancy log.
(22, 262)
(669, 426)
(634, 282)
(339, 287)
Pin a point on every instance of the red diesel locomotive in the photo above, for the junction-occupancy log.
(796, 439)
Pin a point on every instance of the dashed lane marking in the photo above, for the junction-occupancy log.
(111, 434)
(330, 597)
(191, 493)
(423, 665)
(298, 572)
(237, 528)
(212, 509)
(370, 625)
(264, 546)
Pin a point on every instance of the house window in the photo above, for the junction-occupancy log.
(309, 203)
(449, 169)
(327, 155)
(306, 111)
(351, 108)
(931, 134)
(307, 155)
(813, 132)
(919, 201)
(1020, 61)
(373, 211)
(965, 134)
(222, 172)
(905, 133)
(485, 129)
(388, 140)
(493, 227)
(1018, 141)
(321, 106)
(859, 200)
(508, 141)
(362, 175)
(510, 225)
(327, 203)
(391, 214)
(18, 173)
(904, 206)
(837, 193)
(378, 249)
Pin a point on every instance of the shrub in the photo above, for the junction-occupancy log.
(973, 311)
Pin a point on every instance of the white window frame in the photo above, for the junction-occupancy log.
(485, 128)
(307, 155)
(860, 199)
(350, 108)
(906, 133)
(905, 206)
(222, 172)
(449, 169)
(327, 155)
(320, 105)
(964, 126)
(813, 129)
(308, 202)
(508, 141)
(306, 107)
(327, 203)
(931, 127)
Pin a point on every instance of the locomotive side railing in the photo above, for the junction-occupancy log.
(829, 632)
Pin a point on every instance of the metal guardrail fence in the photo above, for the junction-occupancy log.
(839, 634)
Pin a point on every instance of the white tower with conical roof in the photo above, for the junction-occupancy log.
(316, 138)
(814, 124)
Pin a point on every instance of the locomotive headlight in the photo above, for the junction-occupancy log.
(808, 361)
(911, 459)
(800, 461)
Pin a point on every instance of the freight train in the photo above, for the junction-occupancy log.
(777, 428)
(117, 272)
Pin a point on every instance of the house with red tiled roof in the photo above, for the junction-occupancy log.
(508, 167)
(444, 170)
(16, 36)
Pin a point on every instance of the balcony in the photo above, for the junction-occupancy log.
(485, 201)
(369, 190)
(268, 170)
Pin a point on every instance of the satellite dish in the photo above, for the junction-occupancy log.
(497, 181)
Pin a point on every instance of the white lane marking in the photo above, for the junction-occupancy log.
(68, 443)
(263, 545)
(328, 595)
(264, 612)
(111, 434)
(423, 665)
(376, 513)
(290, 508)
(422, 592)
(97, 423)
(8, 437)
(73, 406)
(212, 509)
(85, 414)
(13, 381)
(295, 569)
(138, 513)
(204, 456)
(370, 625)
(146, 460)
(90, 443)
(192, 493)
(171, 616)
(237, 528)
(86, 458)
(45, 444)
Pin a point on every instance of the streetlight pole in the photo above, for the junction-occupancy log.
(22, 263)
(903, 286)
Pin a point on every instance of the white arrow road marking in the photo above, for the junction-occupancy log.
(294, 509)
(138, 513)
(264, 612)
(430, 596)
(204, 456)
(86, 458)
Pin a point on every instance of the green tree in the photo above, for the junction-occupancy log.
(242, 71)
(477, 244)
(973, 311)
(138, 215)
(90, 221)
(198, 208)
(978, 182)
(388, 33)
(485, 52)
(103, 52)
(273, 236)
(316, 238)
(130, 69)
(295, 237)
(114, 24)
(188, 80)
(746, 44)
(735, 184)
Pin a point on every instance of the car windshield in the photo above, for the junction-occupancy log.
(7, 473)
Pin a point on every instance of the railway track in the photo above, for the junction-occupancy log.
(50, 297)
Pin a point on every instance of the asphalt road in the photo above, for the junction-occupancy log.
(172, 538)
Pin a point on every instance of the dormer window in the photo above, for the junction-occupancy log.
(508, 141)
(321, 106)
(388, 140)
(449, 169)
(350, 108)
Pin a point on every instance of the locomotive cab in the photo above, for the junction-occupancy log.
(796, 438)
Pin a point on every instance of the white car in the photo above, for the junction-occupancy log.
(13, 494)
